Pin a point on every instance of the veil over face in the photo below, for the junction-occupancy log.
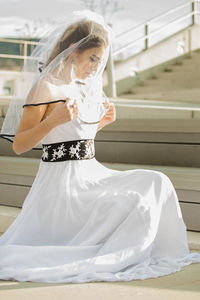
(67, 63)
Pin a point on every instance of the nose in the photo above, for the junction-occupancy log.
(94, 67)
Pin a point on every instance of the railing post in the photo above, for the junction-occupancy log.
(25, 51)
(194, 16)
(111, 74)
(146, 32)
(189, 43)
(21, 48)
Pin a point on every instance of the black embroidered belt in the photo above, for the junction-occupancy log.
(70, 150)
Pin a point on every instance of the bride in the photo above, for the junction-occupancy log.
(82, 221)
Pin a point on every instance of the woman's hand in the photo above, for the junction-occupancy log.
(63, 112)
(110, 115)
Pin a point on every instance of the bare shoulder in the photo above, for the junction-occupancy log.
(41, 92)
(33, 113)
(40, 102)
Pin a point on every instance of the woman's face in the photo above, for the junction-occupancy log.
(87, 62)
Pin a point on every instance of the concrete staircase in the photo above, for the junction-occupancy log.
(140, 138)
(177, 82)
(167, 142)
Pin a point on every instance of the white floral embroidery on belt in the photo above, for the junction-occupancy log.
(80, 149)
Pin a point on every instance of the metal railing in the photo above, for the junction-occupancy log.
(157, 105)
(23, 49)
(146, 30)
(147, 33)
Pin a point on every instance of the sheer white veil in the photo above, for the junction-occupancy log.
(50, 74)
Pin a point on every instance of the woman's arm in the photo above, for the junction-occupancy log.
(101, 125)
(32, 130)
(109, 117)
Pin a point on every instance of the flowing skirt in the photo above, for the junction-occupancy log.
(83, 222)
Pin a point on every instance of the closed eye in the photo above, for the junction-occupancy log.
(92, 59)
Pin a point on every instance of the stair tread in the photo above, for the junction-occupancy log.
(187, 178)
(31, 161)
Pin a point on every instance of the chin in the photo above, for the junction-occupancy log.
(82, 76)
(86, 76)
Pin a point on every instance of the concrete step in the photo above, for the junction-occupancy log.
(173, 81)
(166, 85)
(193, 70)
(156, 88)
(129, 108)
(167, 96)
(154, 110)
(184, 94)
(157, 109)
(183, 65)
(8, 214)
(152, 142)
(195, 59)
(142, 141)
(172, 86)
(182, 177)
(181, 95)
(183, 74)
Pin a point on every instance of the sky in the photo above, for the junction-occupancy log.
(14, 13)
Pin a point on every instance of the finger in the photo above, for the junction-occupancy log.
(75, 103)
(106, 106)
(67, 100)
(75, 116)
(75, 106)
(72, 110)
(70, 106)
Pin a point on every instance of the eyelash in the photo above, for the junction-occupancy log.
(92, 59)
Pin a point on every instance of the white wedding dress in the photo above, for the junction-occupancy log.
(82, 222)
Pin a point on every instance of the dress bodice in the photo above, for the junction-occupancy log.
(76, 129)
(69, 131)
